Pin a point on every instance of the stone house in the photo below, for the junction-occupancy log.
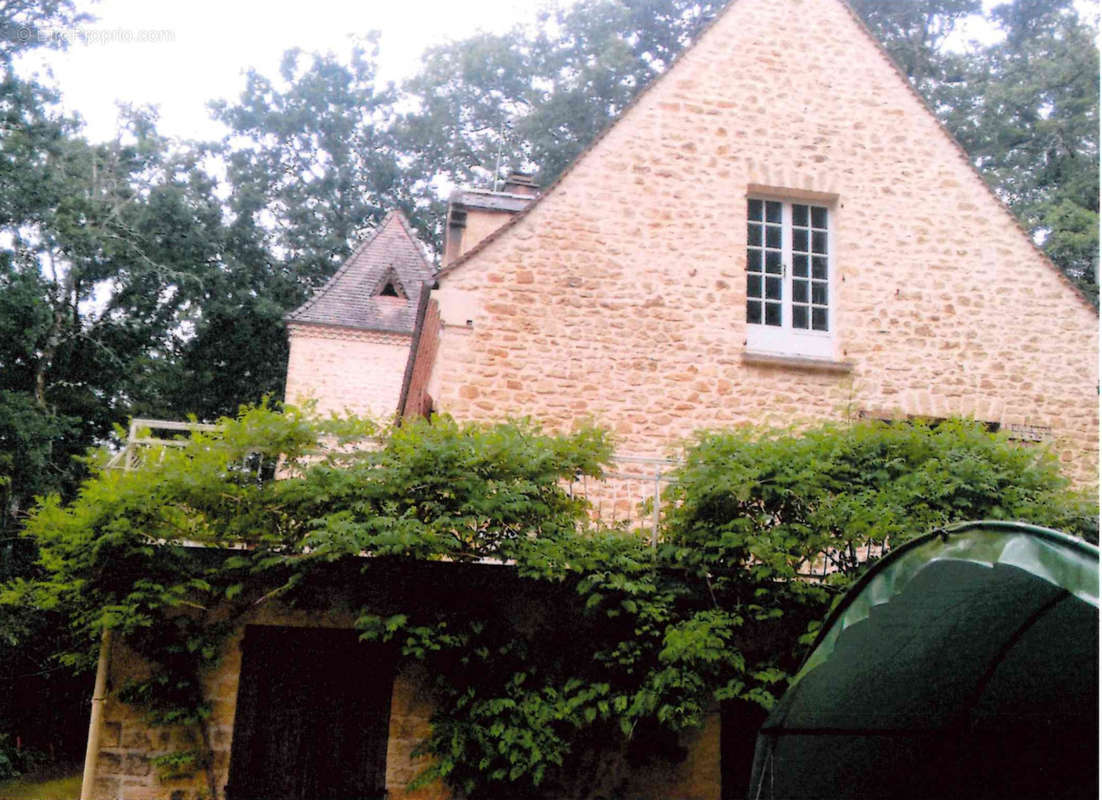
(777, 231)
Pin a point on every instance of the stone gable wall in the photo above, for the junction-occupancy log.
(621, 295)
(345, 369)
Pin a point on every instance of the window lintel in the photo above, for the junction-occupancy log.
(763, 191)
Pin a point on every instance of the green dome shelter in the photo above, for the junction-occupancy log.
(962, 665)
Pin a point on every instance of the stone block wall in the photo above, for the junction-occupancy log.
(480, 224)
(620, 297)
(124, 768)
(345, 369)
(125, 771)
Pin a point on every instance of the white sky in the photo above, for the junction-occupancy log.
(212, 43)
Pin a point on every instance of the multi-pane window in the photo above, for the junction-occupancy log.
(764, 263)
(788, 276)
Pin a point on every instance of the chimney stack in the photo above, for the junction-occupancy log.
(474, 214)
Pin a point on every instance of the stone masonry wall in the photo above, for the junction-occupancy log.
(124, 770)
(480, 224)
(347, 369)
(620, 296)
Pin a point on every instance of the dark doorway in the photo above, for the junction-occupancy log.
(739, 723)
(313, 709)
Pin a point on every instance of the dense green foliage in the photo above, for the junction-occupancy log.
(597, 649)
(834, 490)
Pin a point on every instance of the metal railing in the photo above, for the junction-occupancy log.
(630, 493)
(130, 454)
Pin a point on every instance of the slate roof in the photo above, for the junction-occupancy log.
(351, 298)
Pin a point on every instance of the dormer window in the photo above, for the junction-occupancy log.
(789, 303)
(390, 286)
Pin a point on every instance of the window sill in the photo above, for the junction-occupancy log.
(759, 359)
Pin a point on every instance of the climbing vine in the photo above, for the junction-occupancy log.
(588, 651)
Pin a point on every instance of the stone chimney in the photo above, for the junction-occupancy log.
(474, 214)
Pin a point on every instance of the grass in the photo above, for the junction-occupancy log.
(41, 787)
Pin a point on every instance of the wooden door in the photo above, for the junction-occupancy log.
(313, 709)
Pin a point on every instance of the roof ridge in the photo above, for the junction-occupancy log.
(413, 237)
(517, 217)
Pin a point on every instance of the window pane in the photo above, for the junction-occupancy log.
(753, 285)
(773, 262)
(819, 293)
(753, 312)
(799, 266)
(799, 317)
(799, 291)
(773, 314)
(773, 236)
(818, 217)
(753, 210)
(819, 267)
(753, 235)
(819, 319)
(753, 260)
(819, 241)
(773, 211)
(773, 288)
(799, 216)
(799, 241)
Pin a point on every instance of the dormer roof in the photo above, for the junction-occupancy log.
(377, 288)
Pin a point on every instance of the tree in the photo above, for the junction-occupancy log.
(310, 163)
(914, 32)
(28, 24)
(310, 166)
(99, 245)
(105, 245)
(1031, 123)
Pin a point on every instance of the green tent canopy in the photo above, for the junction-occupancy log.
(962, 665)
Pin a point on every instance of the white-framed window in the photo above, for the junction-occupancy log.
(790, 306)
